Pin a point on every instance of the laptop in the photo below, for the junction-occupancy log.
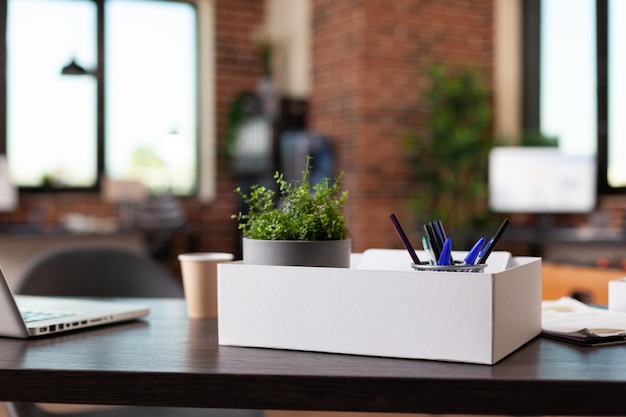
(24, 316)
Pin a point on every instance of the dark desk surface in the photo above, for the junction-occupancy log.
(170, 360)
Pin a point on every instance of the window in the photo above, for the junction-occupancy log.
(568, 74)
(575, 80)
(49, 113)
(130, 115)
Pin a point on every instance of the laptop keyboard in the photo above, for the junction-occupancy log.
(30, 316)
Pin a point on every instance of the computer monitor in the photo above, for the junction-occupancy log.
(541, 180)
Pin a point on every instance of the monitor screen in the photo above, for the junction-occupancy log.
(541, 180)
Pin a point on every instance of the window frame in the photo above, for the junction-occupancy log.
(532, 84)
(100, 100)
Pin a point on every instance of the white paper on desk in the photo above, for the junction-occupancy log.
(569, 315)
(400, 260)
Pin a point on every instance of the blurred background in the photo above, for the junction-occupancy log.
(131, 122)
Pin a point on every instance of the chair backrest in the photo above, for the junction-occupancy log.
(96, 271)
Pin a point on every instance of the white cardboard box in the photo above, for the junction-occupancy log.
(450, 316)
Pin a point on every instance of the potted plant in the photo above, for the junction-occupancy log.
(304, 226)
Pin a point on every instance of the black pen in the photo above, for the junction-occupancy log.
(493, 241)
(435, 245)
(441, 235)
(438, 226)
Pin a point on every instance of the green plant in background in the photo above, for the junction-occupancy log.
(304, 212)
(530, 138)
(238, 111)
(536, 138)
(449, 155)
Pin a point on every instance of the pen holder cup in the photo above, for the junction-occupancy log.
(459, 266)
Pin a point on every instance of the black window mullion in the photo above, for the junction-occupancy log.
(602, 29)
(3, 78)
(531, 65)
(100, 94)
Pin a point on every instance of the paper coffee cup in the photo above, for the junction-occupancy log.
(199, 271)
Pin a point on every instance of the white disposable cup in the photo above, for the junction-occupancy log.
(199, 271)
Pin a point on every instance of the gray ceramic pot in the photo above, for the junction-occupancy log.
(330, 253)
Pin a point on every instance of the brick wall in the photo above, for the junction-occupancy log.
(369, 62)
(237, 69)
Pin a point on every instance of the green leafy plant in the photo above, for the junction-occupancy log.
(303, 211)
(449, 154)
(537, 138)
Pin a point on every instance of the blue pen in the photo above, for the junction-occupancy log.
(473, 253)
(446, 253)
(484, 249)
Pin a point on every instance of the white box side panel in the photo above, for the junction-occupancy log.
(517, 306)
(442, 316)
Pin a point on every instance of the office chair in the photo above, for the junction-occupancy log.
(96, 271)
(104, 272)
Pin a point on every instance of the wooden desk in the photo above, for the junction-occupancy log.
(169, 360)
